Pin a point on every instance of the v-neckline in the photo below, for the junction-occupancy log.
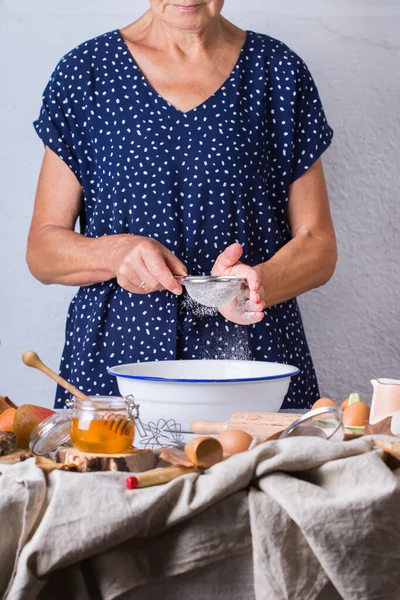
(131, 58)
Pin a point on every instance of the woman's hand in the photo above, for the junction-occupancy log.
(248, 308)
(57, 254)
(142, 265)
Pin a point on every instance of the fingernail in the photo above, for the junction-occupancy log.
(177, 291)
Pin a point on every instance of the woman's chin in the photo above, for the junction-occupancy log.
(187, 17)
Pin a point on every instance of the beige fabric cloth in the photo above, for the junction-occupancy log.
(311, 510)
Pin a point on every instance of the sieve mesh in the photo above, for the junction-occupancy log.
(213, 291)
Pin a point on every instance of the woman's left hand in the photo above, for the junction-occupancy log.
(248, 307)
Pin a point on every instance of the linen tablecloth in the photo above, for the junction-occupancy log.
(308, 510)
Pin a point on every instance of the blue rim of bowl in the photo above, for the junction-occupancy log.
(168, 380)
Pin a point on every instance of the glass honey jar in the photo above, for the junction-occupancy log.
(102, 426)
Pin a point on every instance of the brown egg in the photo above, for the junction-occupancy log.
(233, 441)
(344, 404)
(323, 402)
(356, 414)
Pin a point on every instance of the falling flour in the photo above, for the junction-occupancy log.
(230, 342)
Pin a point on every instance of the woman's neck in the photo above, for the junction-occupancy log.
(151, 31)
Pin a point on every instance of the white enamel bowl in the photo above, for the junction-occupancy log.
(171, 394)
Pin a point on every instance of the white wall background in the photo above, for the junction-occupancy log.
(353, 50)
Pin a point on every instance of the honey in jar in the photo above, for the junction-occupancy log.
(102, 426)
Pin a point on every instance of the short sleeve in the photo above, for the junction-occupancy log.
(56, 125)
(312, 135)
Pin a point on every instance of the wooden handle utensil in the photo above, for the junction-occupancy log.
(202, 452)
(256, 424)
(157, 477)
(31, 359)
(116, 423)
(208, 427)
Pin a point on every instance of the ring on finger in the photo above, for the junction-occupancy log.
(142, 286)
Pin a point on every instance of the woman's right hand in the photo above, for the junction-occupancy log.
(142, 266)
(58, 254)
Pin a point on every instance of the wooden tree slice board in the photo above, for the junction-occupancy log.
(134, 461)
(15, 457)
(7, 442)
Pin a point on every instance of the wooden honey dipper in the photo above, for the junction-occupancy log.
(31, 359)
(116, 423)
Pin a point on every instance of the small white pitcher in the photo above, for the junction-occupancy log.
(385, 399)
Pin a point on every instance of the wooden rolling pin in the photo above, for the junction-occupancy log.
(256, 424)
(157, 477)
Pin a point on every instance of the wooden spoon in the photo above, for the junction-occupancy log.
(202, 452)
(31, 359)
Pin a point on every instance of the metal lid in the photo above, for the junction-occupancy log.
(51, 433)
(96, 403)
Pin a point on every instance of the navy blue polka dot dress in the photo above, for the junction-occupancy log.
(196, 182)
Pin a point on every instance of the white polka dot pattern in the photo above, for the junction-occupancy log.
(196, 182)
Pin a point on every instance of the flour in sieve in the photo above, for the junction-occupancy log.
(213, 293)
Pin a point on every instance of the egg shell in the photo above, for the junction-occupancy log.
(323, 402)
(356, 414)
(234, 442)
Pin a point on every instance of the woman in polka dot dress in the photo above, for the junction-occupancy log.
(184, 145)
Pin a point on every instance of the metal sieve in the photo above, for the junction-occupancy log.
(212, 291)
(325, 422)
